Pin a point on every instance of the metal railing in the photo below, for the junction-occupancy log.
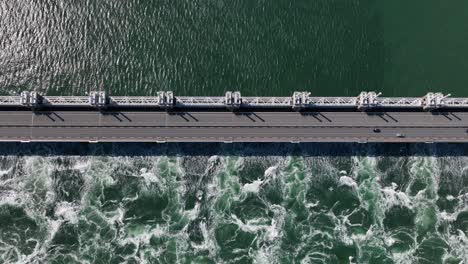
(199, 101)
(10, 100)
(65, 100)
(234, 100)
(134, 101)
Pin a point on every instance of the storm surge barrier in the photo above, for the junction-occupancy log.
(234, 100)
(99, 117)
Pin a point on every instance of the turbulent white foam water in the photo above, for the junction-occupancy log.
(233, 209)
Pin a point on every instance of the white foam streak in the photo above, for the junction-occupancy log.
(81, 165)
(5, 172)
(10, 197)
(253, 187)
(271, 172)
(67, 211)
(347, 181)
(193, 213)
(252, 226)
(392, 197)
(150, 177)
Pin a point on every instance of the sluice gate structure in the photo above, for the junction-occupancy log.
(367, 117)
(234, 100)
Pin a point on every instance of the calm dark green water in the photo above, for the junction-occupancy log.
(209, 203)
(329, 47)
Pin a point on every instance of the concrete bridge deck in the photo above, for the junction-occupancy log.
(226, 126)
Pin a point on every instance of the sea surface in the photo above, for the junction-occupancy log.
(259, 47)
(234, 203)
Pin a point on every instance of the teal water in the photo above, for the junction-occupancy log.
(205, 203)
(241, 203)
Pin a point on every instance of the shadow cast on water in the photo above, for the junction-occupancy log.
(234, 149)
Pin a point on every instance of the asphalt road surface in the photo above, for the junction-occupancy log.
(128, 126)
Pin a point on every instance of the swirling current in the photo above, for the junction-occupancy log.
(241, 203)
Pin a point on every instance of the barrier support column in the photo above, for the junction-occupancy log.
(31, 99)
(166, 100)
(170, 100)
(300, 100)
(432, 101)
(233, 100)
(98, 99)
(366, 100)
(24, 98)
